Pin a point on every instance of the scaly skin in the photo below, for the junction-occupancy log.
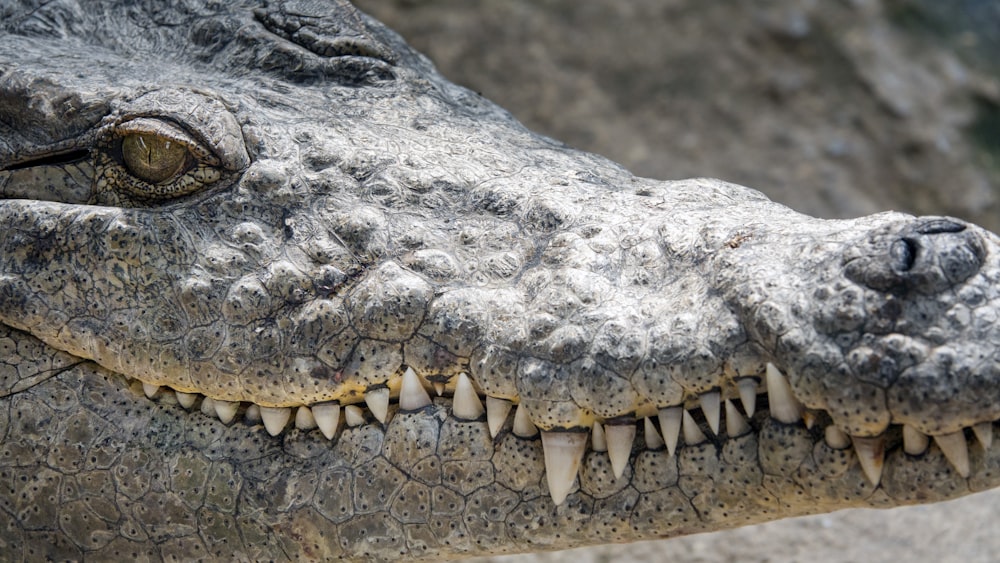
(337, 214)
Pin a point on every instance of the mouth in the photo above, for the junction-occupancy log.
(743, 406)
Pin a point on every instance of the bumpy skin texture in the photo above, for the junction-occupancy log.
(344, 214)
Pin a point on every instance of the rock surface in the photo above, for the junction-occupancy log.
(834, 108)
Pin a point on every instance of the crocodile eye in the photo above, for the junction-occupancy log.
(153, 158)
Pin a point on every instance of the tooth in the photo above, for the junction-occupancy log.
(466, 404)
(670, 424)
(252, 416)
(226, 410)
(653, 439)
(523, 426)
(837, 438)
(984, 433)
(598, 443)
(208, 407)
(563, 452)
(692, 434)
(809, 418)
(304, 419)
(439, 388)
(783, 404)
(186, 399)
(496, 414)
(378, 402)
(748, 394)
(954, 448)
(150, 389)
(620, 438)
(710, 407)
(327, 417)
(275, 418)
(736, 425)
(353, 415)
(915, 442)
(871, 454)
(412, 395)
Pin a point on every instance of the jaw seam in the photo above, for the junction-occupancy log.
(617, 440)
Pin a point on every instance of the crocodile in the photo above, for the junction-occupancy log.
(272, 288)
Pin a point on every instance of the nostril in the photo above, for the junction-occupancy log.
(903, 254)
(938, 226)
(925, 256)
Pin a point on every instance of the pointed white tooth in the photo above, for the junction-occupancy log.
(692, 433)
(327, 417)
(955, 449)
(915, 442)
(653, 439)
(598, 442)
(783, 404)
(496, 414)
(837, 438)
(304, 419)
(226, 410)
(275, 418)
(412, 395)
(186, 399)
(150, 389)
(466, 405)
(208, 407)
(523, 427)
(710, 407)
(736, 425)
(984, 433)
(439, 388)
(252, 416)
(353, 415)
(748, 394)
(871, 455)
(620, 439)
(670, 424)
(563, 452)
(378, 402)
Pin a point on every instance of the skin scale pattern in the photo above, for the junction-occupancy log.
(344, 214)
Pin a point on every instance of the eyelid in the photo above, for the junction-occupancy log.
(166, 130)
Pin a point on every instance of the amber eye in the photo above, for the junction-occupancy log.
(153, 158)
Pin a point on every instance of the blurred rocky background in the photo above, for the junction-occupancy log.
(834, 107)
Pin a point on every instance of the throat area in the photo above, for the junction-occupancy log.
(758, 412)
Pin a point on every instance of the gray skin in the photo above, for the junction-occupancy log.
(339, 213)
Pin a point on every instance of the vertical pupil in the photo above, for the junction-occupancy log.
(152, 158)
(144, 149)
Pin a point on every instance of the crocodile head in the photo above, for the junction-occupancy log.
(285, 219)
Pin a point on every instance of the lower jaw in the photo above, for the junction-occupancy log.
(423, 485)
